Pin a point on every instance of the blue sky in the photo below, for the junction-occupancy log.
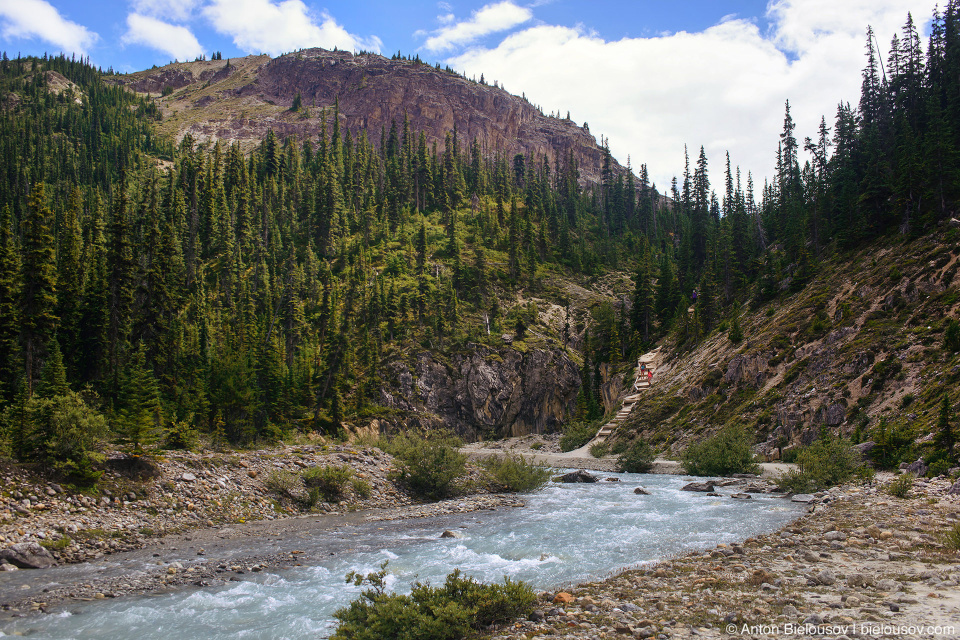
(649, 75)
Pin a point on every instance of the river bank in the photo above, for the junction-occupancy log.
(861, 564)
(545, 450)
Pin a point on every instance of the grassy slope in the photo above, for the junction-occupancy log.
(865, 336)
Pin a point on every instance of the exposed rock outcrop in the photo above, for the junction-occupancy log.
(485, 391)
(241, 99)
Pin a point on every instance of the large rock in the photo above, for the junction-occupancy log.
(917, 468)
(955, 489)
(706, 487)
(27, 555)
(750, 370)
(485, 391)
(577, 476)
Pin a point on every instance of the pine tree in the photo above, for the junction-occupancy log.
(10, 366)
(38, 299)
(945, 438)
(139, 420)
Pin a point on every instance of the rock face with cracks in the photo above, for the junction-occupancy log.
(485, 391)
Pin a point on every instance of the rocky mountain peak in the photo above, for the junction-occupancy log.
(241, 99)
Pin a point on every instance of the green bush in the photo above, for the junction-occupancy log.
(181, 435)
(361, 487)
(727, 452)
(951, 337)
(328, 483)
(951, 537)
(449, 612)
(577, 434)
(282, 483)
(894, 445)
(827, 462)
(599, 449)
(637, 459)
(64, 432)
(428, 464)
(515, 474)
(901, 486)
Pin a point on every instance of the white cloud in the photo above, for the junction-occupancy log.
(488, 19)
(39, 19)
(174, 40)
(723, 88)
(175, 10)
(263, 26)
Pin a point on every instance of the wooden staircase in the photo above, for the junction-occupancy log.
(646, 363)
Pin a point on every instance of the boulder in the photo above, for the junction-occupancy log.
(640, 491)
(805, 498)
(955, 489)
(611, 479)
(577, 476)
(188, 477)
(563, 598)
(741, 496)
(864, 447)
(27, 555)
(917, 468)
(451, 534)
(706, 487)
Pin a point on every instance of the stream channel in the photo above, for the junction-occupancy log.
(566, 533)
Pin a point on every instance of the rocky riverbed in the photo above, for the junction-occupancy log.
(860, 564)
(135, 505)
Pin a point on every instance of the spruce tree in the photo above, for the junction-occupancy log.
(38, 295)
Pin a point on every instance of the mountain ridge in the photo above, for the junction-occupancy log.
(239, 100)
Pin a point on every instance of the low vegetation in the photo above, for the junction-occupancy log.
(827, 462)
(577, 434)
(638, 458)
(900, 487)
(428, 464)
(726, 453)
(449, 612)
(327, 483)
(514, 474)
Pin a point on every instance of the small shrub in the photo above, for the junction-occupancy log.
(951, 337)
(827, 462)
(894, 445)
(727, 452)
(536, 446)
(167, 90)
(428, 464)
(577, 434)
(56, 545)
(636, 459)
(736, 333)
(515, 474)
(181, 435)
(361, 487)
(329, 482)
(901, 486)
(449, 612)
(283, 483)
(599, 449)
(951, 538)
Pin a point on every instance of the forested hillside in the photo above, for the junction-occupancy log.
(152, 289)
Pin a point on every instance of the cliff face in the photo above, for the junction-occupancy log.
(484, 392)
(241, 99)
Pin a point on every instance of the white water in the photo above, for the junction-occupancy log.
(566, 533)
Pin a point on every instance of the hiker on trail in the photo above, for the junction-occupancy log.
(650, 376)
(694, 296)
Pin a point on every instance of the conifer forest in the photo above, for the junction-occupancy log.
(152, 289)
